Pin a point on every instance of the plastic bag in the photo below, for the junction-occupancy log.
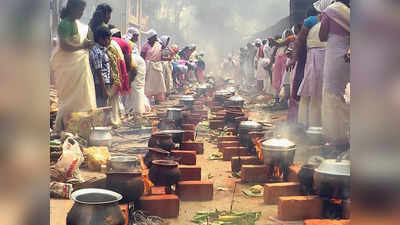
(70, 161)
(96, 156)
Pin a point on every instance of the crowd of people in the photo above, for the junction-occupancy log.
(306, 70)
(96, 66)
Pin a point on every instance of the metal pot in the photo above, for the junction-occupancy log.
(221, 96)
(100, 136)
(130, 185)
(124, 164)
(332, 178)
(95, 206)
(202, 90)
(187, 102)
(177, 135)
(244, 128)
(234, 101)
(314, 134)
(278, 151)
(165, 173)
(174, 114)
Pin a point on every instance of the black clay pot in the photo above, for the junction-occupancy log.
(165, 173)
(306, 178)
(160, 140)
(129, 185)
(154, 154)
(95, 206)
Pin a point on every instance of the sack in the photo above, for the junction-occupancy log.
(96, 157)
(70, 161)
(60, 190)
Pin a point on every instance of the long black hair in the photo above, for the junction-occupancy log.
(99, 15)
(71, 5)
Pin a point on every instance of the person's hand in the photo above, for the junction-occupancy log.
(87, 44)
(291, 65)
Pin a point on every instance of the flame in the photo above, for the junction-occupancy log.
(145, 176)
(336, 201)
(257, 144)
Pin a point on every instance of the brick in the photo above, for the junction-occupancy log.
(229, 152)
(225, 144)
(165, 206)
(255, 173)
(293, 172)
(217, 124)
(326, 222)
(272, 192)
(190, 146)
(160, 190)
(299, 208)
(236, 164)
(190, 173)
(188, 135)
(195, 190)
(189, 127)
(187, 157)
(125, 211)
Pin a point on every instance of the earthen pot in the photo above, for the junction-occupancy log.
(160, 140)
(165, 173)
(129, 185)
(155, 154)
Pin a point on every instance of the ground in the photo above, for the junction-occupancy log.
(218, 170)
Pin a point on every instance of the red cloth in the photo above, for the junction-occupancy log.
(124, 77)
(124, 45)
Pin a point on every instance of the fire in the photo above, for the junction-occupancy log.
(336, 201)
(145, 176)
(257, 144)
(277, 172)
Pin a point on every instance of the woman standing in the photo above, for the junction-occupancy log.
(166, 57)
(335, 29)
(101, 17)
(155, 82)
(70, 63)
(310, 90)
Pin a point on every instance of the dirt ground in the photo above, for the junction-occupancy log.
(220, 174)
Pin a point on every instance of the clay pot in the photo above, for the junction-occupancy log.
(165, 173)
(129, 185)
(160, 140)
(95, 206)
(154, 154)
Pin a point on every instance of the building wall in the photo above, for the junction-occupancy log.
(298, 10)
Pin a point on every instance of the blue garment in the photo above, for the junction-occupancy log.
(99, 60)
(311, 21)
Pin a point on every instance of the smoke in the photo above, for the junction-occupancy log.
(217, 27)
(220, 27)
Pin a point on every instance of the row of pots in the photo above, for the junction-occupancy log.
(328, 178)
(101, 206)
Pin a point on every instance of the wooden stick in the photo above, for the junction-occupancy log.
(233, 196)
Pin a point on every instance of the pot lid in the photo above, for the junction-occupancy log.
(172, 132)
(236, 98)
(334, 167)
(278, 144)
(102, 128)
(250, 125)
(221, 92)
(187, 98)
(202, 86)
(174, 109)
(314, 130)
(95, 196)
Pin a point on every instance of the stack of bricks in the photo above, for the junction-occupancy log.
(292, 208)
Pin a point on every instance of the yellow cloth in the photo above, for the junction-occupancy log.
(74, 80)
